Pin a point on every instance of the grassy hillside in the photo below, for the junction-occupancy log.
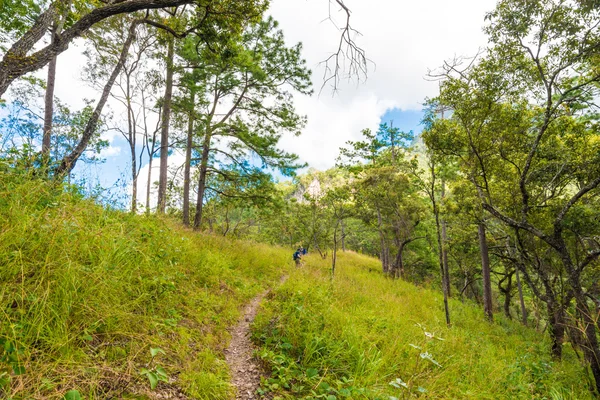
(103, 302)
(96, 304)
(353, 336)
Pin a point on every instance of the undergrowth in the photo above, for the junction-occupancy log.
(363, 336)
(97, 303)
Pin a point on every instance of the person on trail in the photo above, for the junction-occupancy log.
(298, 257)
(304, 251)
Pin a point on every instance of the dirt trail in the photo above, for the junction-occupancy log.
(245, 370)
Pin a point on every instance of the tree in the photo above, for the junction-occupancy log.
(522, 124)
(251, 78)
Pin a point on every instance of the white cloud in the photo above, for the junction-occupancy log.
(403, 38)
(110, 151)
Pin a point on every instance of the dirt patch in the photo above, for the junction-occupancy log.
(245, 369)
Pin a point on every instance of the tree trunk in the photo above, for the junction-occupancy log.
(485, 272)
(68, 162)
(202, 181)
(445, 259)
(591, 349)
(49, 105)
(188, 159)
(334, 253)
(556, 325)
(343, 238)
(444, 248)
(383, 253)
(164, 133)
(399, 264)
(443, 274)
(508, 297)
(134, 184)
(131, 126)
(149, 185)
(521, 299)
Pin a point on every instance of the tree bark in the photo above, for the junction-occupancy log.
(131, 139)
(485, 272)
(334, 253)
(591, 349)
(444, 248)
(188, 160)
(49, 104)
(521, 299)
(68, 162)
(445, 258)
(441, 260)
(384, 253)
(343, 238)
(556, 325)
(164, 133)
(202, 181)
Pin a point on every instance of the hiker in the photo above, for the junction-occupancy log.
(304, 251)
(298, 257)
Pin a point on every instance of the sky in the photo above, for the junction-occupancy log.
(404, 39)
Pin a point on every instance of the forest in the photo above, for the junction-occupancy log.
(458, 262)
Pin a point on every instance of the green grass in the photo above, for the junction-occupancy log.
(86, 292)
(353, 336)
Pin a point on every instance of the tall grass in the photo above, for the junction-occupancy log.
(362, 336)
(87, 292)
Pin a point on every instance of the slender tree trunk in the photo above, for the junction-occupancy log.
(131, 125)
(334, 252)
(164, 133)
(188, 160)
(49, 105)
(485, 272)
(134, 174)
(202, 181)
(343, 238)
(384, 262)
(508, 297)
(441, 260)
(149, 185)
(556, 327)
(521, 299)
(444, 248)
(399, 264)
(68, 162)
(445, 259)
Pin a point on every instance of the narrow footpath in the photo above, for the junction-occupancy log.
(245, 370)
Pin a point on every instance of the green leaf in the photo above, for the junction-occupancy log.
(162, 374)
(153, 379)
(427, 356)
(18, 369)
(154, 351)
(72, 395)
(312, 372)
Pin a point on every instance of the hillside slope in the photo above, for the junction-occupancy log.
(97, 304)
(105, 303)
(356, 335)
